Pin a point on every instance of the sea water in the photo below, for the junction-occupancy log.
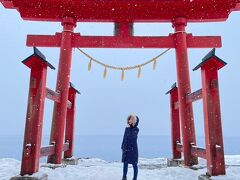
(108, 147)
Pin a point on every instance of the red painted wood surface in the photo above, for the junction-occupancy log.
(52, 95)
(198, 152)
(123, 41)
(34, 119)
(124, 14)
(50, 150)
(127, 11)
(195, 96)
(63, 80)
(175, 122)
(184, 88)
(70, 123)
(192, 97)
(179, 147)
(212, 115)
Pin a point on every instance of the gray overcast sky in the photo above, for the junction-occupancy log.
(104, 104)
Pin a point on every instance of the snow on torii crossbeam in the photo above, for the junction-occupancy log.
(123, 14)
(124, 10)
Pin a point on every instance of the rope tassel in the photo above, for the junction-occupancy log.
(122, 77)
(105, 73)
(154, 64)
(90, 65)
(139, 71)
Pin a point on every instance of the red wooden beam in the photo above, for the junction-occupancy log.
(123, 10)
(102, 41)
(203, 41)
(52, 95)
(195, 96)
(179, 147)
(46, 151)
(123, 41)
(50, 150)
(44, 40)
(65, 146)
(198, 152)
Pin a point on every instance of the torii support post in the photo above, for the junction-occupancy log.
(212, 113)
(175, 121)
(70, 121)
(184, 88)
(63, 80)
(34, 120)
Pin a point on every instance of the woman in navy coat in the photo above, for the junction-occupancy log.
(129, 146)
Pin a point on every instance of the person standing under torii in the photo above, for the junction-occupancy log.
(130, 147)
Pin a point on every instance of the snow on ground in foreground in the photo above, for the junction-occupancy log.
(97, 169)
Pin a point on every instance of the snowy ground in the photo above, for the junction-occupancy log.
(97, 169)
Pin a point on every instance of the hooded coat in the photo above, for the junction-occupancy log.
(129, 144)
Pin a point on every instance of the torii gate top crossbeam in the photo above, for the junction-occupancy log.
(124, 10)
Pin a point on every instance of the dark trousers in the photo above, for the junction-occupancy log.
(125, 170)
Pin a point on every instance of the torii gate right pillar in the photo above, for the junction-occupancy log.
(184, 88)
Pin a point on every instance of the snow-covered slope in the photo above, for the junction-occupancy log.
(97, 169)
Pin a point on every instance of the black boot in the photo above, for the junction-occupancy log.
(124, 178)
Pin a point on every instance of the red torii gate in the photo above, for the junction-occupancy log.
(123, 14)
(214, 151)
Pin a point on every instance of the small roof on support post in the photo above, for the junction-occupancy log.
(37, 55)
(211, 59)
(174, 86)
(73, 87)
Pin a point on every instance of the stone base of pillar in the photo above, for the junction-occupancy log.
(204, 177)
(36, 176)
(175, 162)
(53, 166)
(70, 161)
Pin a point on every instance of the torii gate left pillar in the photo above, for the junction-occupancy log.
(62, 87)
